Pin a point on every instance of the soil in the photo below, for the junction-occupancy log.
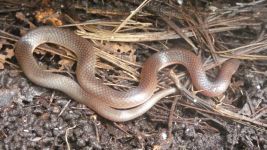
(34, 117)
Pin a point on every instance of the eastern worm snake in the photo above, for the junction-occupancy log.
(107, 102)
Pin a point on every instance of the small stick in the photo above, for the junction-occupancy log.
(66, 136)
(212, 106)
(171, 118)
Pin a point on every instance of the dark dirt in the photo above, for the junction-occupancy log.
(33, 117)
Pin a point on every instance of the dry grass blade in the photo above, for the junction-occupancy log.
(131, 15)
(106, 35)
(211, 106)
(123, 64)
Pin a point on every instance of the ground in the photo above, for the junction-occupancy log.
(34, 117)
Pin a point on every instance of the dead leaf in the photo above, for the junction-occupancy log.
(1, 66)
(65, 63)
(48, 16)
(2, 42)
(10, 53)
(2, 57)
(122, 50)
(22, 17)
(2, 61)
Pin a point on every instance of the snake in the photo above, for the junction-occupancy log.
(109, 103)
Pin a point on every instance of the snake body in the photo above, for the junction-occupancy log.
(106, 101)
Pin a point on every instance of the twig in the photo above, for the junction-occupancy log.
(52, 98)
(246, 49)
(212, 106)
(178, 31)
(131, 15)
(95, 122)
(10, 63)
(145, 36)
(9, 10)
(249, 102)
(64, 108)
(260, 113)
(121, 128)
(66, 136)
(171, 118)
